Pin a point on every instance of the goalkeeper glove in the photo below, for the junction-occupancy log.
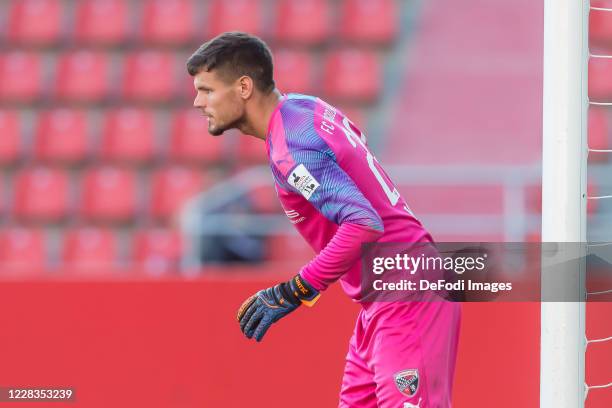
(258, 312)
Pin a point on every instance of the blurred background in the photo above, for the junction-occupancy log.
(101, 150)
(106, 171)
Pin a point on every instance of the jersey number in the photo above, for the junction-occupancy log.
(392, 194)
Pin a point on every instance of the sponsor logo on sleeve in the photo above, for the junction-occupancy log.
(303, 181)
(294, 216)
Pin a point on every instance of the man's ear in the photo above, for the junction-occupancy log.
(246, 86)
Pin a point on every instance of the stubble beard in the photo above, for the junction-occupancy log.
(219, 130)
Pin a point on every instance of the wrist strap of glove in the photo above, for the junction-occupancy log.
(302, 291)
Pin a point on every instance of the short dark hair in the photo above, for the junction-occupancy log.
(235, 54)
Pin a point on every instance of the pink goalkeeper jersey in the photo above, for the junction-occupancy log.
(334, 190)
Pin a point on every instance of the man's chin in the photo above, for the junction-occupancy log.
(216, 131)
(219, 130)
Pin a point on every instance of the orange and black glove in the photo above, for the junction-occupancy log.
(267, 306)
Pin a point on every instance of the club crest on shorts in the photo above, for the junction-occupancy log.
(407, 382)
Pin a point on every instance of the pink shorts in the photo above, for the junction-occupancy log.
(402, 355)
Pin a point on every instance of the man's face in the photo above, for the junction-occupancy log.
(219, 100)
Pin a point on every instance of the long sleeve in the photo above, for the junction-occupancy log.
(333, 190)
(319, 179)
(339, 255)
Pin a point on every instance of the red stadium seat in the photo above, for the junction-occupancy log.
(167, 21)
(20, 76)
(251, 150)
(158, 250)
(149, 76)
(236, 15)
(190, 140)
(303, 21)
(108, 194)
(598, 133)
(61, 135)
(89, 249)
(172, 187)
(600, 79)
(600, 25)
(41, 193)
(102, 21)
(369, 21)
(35, 21)
(10, 129)
(352, 75)
(22, 248)
(82, 76)
(293, 71)
(128, 135)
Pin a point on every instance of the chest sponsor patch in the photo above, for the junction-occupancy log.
(303, 181)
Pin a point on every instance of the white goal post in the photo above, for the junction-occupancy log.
(564, 165)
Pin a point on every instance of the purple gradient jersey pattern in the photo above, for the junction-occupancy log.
(401, 354)
(325, 176)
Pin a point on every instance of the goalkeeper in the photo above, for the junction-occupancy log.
(337, 195)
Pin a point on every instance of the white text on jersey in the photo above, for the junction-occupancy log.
(294, 216)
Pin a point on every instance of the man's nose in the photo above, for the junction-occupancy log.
(199, 102)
